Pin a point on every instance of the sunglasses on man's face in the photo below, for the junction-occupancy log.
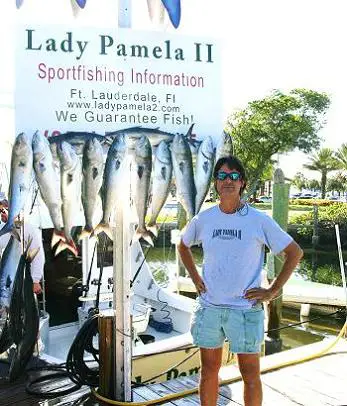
(231, 175)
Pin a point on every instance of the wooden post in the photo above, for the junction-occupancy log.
(106, 354)
(280, 203)
(121, 297)
(315, 241)
(121, 271)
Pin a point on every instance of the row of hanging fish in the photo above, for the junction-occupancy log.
(151, 177)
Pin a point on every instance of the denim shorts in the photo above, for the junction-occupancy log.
(243, 328)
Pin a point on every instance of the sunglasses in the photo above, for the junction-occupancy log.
(231, 175)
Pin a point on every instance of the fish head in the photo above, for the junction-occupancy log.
(40, 146)
(54, 149)
(22, 145)
(180, 146)
(207, 147)
(143, 147)
(225, 145)
(67, 155)
(177, 142)
(163, 153)
(93, 149)
(119, 146)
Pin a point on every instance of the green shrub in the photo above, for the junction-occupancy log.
(311, 202)
(302, 225)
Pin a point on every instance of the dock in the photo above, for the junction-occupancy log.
(320, 381)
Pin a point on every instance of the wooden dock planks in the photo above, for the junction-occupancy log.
(321, 381)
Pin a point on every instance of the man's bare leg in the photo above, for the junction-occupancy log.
(250, 370)
(211, 360)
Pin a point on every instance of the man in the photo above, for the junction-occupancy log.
(229, 303)
(37, 266)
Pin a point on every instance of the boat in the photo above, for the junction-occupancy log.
(162, 346)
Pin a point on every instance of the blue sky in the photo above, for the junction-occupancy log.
(267, 44)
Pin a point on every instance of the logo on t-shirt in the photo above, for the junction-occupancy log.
(226, 233)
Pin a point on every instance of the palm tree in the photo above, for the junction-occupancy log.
(299, 181)
(323, 161)
(341, 156)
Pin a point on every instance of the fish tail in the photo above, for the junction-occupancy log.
(32, 254)
(153, 228)
(87, 232)
(190, 132)
(58, 235)
(66, 245)
(103, 227)
(145, 235)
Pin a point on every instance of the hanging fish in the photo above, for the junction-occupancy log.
(142, 177)
(162, 174)
(184, 176)
(47, 180)
(113, 181)
(20, 181)
(69, 186)
(8, 268)
(203, 171)
(92, 172)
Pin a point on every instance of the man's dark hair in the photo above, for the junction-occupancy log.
(232, 163)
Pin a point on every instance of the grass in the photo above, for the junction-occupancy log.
(293, 207)
(294, 210)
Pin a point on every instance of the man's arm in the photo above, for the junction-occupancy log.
(293, 253)
(37, 266)
(188, 261)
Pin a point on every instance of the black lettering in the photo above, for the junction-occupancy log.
(30, 41)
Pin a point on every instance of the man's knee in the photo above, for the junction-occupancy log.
(249, 368)
(211, 362)
(250, 375)
(210, 368)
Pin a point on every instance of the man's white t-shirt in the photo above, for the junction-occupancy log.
(233, 247)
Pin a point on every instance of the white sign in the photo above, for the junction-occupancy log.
(102, 80)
